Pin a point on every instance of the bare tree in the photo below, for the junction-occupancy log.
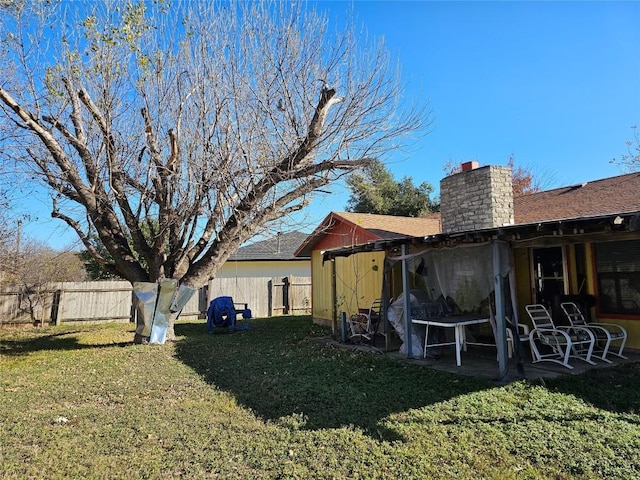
(176, 131)
(629, 161)
(10, 227)
(34, 269)
(200, 121)
(8, 250)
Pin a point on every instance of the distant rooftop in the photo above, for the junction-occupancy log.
(382, 227)
(280, 247)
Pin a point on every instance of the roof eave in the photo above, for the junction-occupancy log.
(629, 220)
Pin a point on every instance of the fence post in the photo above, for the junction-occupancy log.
(286, 307)
(56, 308)
(270, 297)
(203, 301)
(134, 308)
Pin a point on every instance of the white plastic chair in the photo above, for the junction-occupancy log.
(605, 333)
(562, 342)
(523, 336)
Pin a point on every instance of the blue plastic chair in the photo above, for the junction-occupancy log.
(222, 312)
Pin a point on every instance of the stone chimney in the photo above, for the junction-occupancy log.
(476, 198)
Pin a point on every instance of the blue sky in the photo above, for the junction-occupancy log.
(556, 84)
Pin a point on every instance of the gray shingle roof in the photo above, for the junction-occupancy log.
(280, 247)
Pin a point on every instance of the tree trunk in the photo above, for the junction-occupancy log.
(171, 334)
(158, 307)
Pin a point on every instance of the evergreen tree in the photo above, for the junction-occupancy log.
(376, 191)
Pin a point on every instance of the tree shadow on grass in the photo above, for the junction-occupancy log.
(281, 373)
(55, 341)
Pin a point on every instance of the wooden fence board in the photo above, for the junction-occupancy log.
(99, 301)
(300, 295)
(263, 295)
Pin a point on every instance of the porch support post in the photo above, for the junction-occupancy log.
(408, 326)
(501, 324)
(385, 306)
(334, 301)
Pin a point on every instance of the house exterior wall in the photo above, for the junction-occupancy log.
(524, 288)
(259, 284)
(477, 199)
(321, 290)
(632, 325)
(264, 268)
(358, 283)
(525, 295)
(358, 277)
(343, 234)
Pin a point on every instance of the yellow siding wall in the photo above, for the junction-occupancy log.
(320, 289)
(358, 283)
(268, 269)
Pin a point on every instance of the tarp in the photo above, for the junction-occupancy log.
(463, 273)
(395, 315)
(147, 294)
(162, 313)
(222, 313)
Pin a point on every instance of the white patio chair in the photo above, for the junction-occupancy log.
(523, 336)
(605, 333)
(561, 342)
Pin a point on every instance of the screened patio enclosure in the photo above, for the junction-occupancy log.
(446, 280)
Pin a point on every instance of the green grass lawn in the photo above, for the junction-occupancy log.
(273, 402)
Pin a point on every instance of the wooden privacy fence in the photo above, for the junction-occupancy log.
(112, 301)
(266, 297)
(76, 302)
(290, 296)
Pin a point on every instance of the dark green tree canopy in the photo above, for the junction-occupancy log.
(374, 190)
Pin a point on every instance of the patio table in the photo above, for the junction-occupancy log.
(458, 323)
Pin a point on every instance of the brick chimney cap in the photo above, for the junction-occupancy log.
(471, 165)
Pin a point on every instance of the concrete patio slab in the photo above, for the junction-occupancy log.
(481, 362)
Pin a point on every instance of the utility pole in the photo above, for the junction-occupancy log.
(15, 260)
